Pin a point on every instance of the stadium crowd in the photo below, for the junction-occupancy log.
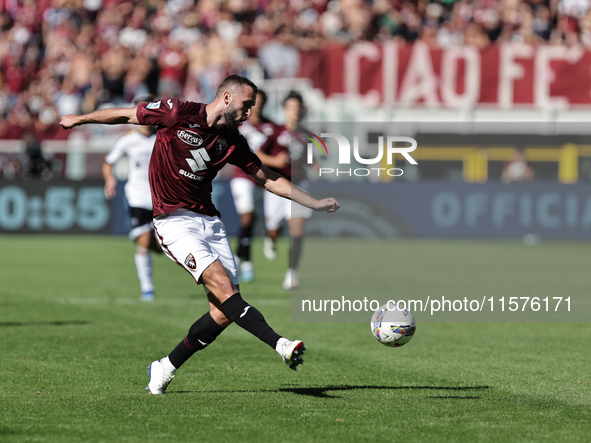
(71, 56)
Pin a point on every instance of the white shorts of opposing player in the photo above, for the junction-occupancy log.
(195, 241)
(279, 208)
(243, 194)
(276, 210)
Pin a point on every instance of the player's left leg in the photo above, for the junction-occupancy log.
(247, 316)
(220, 278)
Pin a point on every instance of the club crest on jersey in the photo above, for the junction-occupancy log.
(190, 262)
(189, 137)
(220, 145)
(154, 105)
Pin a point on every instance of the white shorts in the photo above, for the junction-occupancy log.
(279, 208)
(243, 193)
(195, 241)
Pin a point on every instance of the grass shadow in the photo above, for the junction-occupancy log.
(322, 392)
(7, 324)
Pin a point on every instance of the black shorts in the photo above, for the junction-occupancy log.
(139, 217)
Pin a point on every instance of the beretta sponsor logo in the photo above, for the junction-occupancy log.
(189, 137)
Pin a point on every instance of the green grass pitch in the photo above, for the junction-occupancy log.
(75, 342)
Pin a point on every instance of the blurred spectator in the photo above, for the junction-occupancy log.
(517, 169)
(280, 57)
(114, 68)
(173, 68)
(35, 165)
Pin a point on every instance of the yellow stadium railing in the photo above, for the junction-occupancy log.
(475, 159)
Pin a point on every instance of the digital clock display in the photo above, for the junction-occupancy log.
(52, 207)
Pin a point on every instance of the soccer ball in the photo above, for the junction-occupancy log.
(393, 327)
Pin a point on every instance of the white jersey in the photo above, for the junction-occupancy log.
(138, 149)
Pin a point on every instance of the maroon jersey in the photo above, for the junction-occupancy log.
(292, 142)
(256, 135)
(188, 154)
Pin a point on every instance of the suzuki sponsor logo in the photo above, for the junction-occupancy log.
(190, 175)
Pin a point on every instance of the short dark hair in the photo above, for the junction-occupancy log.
(235, 80)
(263, 94)
(296, 95)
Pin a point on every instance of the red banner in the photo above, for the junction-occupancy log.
(460, 77)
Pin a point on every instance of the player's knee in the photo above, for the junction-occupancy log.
(219, 317)
(225, 289)
(296, 233)
(155, 245)
(143, 241)
(220, 285)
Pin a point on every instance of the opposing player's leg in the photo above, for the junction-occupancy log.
(144, 267)
(297, 217)
(296, 232)
(275, 211)
(244, 242)
(243, 194)
(143, 235)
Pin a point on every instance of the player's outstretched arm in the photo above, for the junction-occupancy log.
(282, 187)
(111, 116)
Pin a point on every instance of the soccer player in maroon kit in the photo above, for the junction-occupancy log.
(194, 141)
(284, 153)
(256, 130)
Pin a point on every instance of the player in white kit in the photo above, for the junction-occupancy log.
(137, 146)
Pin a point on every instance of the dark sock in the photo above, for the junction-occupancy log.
(250, 319)
(202, 333)
(296, 251)
(244, 237)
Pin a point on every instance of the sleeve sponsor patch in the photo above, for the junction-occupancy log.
(154, 105)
